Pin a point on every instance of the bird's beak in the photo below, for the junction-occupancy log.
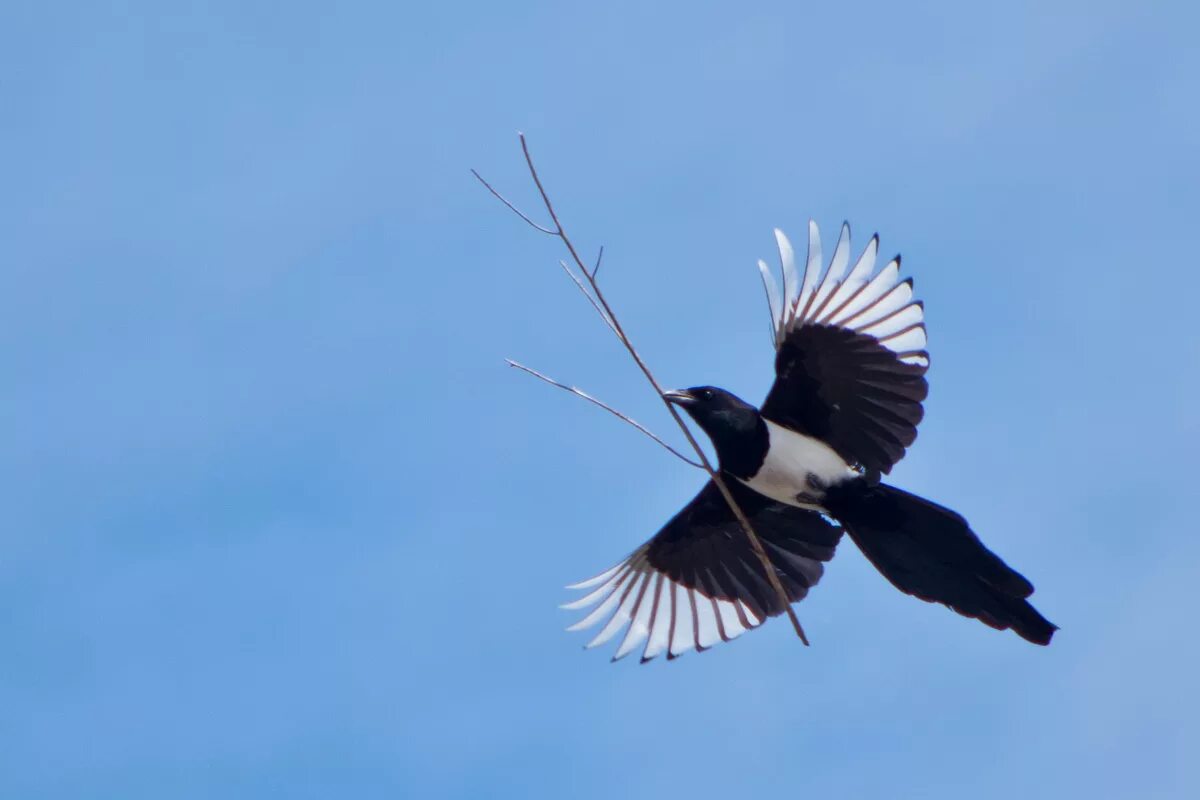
(679, 398)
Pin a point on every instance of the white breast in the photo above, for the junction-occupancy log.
(791, 458)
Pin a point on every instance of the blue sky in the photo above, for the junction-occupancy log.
(277, 521)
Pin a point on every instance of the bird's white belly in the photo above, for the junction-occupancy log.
(791, 459)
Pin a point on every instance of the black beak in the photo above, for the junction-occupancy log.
(679, 398)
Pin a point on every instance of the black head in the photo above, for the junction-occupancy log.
(734, 426)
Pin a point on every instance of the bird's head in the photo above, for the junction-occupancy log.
(734, 426)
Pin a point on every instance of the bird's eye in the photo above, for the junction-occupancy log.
(707, 394)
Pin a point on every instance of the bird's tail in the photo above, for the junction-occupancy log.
(931, 552)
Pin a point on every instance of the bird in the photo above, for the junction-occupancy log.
(805, 468)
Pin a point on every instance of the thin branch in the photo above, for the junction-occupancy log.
(599, 258)
(588, 295)
(755, 543)
(581, 393)
(511, 207)
(619, 331)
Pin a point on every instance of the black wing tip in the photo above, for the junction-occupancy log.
(1021, 618)
(1031, 626)
(1039, 634)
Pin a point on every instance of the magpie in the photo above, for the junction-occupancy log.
(806, 466)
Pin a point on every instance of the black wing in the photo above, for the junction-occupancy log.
(930, 552)
(698, 581)
(850, 363)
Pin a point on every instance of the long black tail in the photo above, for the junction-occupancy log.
(931, 552)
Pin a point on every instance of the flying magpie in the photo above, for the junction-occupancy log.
(850, 369)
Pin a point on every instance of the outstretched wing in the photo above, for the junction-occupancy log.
(850, 362)
(698, 582)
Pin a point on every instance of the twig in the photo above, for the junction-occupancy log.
(588, 295)
(599, 258)
(581, 393)
(602, 306)
(511, 207)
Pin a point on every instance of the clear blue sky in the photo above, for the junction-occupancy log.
(278, 522)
